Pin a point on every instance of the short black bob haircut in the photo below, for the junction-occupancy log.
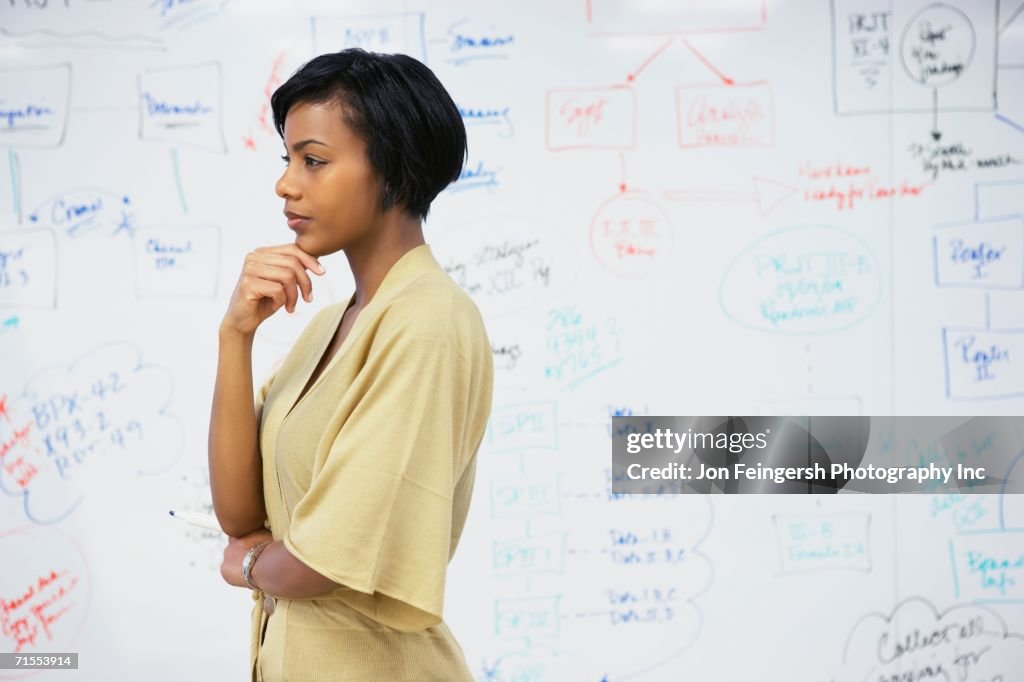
(414, 134)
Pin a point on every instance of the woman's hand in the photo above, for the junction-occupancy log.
(271, 277)
(231, 568)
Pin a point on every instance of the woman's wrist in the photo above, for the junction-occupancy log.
(228, 333)
(249, 562)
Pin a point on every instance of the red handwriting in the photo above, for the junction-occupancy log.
(21, 470)
(24, 616)
(847, 184)
(846, 198)
(832, 170)
(623, 226)
(705, 137)
(17, 466)
(702, 113)
(582, 115)
(625, 250)
(710, 115)
(20, 436)
(47, 619)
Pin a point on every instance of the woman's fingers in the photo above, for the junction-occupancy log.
(283, 276)
(275, 291)
(296, 266)
(308, 261)
(271, 277)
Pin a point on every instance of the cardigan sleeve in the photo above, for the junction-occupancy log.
(377, 518)
(261, 396)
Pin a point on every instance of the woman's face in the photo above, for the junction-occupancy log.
(330, 192)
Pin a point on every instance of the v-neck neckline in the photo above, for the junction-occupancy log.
(333, 329)
(321, 349)
(381, 296)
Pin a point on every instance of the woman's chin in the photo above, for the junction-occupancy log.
(303, 242)
(317, 246)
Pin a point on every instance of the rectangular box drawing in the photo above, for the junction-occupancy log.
(620, 17)
(983, 364)
(913, 56)
(989, 566)
(987, 254)
(28, 268)
(525, 496)
(176, 261)
(529, 555)
(523, 425)
(813, 542)
(591, 118)
(998, 198)
(719, 115)
(389, 33)
(34, 106)
(528, 617)
(108, 24)
(182, 105)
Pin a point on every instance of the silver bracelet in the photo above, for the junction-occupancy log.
(250, 560)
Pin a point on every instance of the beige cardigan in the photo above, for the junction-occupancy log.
(368, 478)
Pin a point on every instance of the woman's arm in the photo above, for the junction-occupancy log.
(271, 277)
(236, 471)
(280, 574)
(277, 572)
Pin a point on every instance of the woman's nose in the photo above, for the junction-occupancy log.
(285, 187)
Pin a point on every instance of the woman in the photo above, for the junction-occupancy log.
(361, 452)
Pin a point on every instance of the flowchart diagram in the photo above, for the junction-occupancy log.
(662, 208)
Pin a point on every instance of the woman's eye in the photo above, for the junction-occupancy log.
(284, 157)
(310, 161)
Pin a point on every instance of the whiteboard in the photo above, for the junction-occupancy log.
(694, 208)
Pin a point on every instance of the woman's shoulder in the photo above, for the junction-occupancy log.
(434, 306)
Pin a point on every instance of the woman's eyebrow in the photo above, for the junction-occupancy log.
(297, 147)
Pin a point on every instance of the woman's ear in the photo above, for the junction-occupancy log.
(387, 195)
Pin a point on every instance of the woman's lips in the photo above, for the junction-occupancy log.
(296, 221)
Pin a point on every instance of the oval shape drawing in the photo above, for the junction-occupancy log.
(802, 280)
(631, 235)
(937, 45)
